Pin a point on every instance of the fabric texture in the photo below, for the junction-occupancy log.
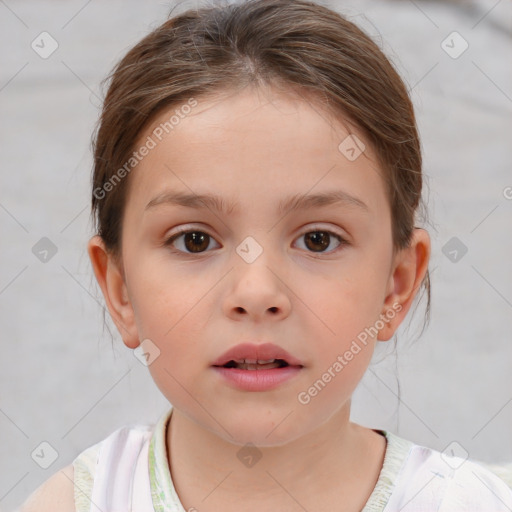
(504, 471)
(129, 471)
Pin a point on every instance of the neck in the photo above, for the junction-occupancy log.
(336, 457)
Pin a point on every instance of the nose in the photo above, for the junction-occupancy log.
(258, 292)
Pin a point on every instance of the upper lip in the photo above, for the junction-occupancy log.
(262, 352)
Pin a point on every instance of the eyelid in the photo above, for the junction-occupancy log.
(319, 227)
(343, 240)
(187, 228)
(182, 230)
(190, 229)
(341, 234)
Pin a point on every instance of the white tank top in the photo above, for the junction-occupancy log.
(129, 472)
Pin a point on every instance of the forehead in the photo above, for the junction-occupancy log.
(256, 138)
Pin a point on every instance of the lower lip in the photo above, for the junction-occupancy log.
(258, 380)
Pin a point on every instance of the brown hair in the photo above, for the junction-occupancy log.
(295, 43)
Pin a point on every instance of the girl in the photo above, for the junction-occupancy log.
(257, 177)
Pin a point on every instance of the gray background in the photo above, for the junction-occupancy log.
(61, 381)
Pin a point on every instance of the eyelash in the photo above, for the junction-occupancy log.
(169, 241)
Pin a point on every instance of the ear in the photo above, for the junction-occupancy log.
(110, 277)
(409, 268)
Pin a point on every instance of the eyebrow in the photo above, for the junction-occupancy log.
(292, 203)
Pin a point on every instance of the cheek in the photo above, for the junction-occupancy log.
(171, 318)
(341, 308)
(331, 385)
(173, 310)
(174, 322)
(162, 296)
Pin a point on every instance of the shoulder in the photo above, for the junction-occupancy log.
(54, 495)
(504, 470)
(429, 479)
(474, 487)
(107, 465)
(71, 488)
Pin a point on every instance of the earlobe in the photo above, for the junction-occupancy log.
(111, 281)
(409, 268)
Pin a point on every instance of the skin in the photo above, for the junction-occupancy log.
(255, 148)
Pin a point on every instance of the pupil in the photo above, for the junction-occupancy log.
(198, 241)
(318, 237)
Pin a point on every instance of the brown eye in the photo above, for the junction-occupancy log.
(190, 242)
(196, 241)
(319, 241)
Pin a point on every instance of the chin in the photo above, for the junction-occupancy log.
(263, 428)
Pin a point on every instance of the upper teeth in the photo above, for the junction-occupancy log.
(255, 361)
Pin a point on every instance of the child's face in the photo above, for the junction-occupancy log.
(194, 306)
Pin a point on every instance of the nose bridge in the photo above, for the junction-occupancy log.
(255, 259)
(257, 287)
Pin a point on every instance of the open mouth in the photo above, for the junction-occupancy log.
(257, 368)
(253, 364)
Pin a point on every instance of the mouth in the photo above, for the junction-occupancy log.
(257, 367)
(253, 364)
(256, 356)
